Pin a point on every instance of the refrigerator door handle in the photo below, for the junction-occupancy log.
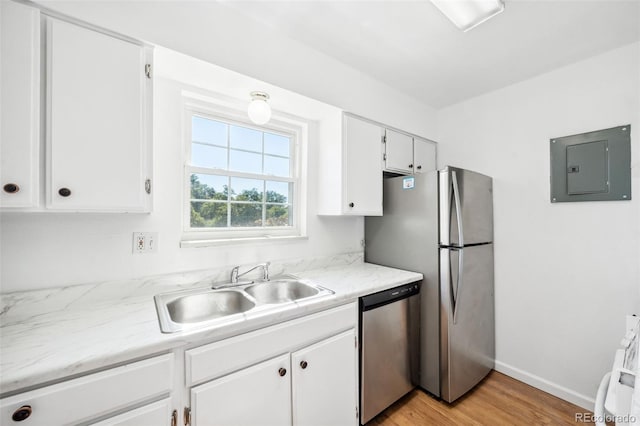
(456, 197)
(459, 281)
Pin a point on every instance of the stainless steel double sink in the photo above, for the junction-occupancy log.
(180, 310)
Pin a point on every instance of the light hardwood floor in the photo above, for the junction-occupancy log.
(497, 400)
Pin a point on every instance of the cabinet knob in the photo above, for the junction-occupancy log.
(64, 192)
(351, 204)
(21, 413)
(411, 166)
(11, 188)
(419, 167)
(303, 364)
(282, 371)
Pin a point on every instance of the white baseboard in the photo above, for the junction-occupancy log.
(545, 385)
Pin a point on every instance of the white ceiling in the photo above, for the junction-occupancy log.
(412, 47)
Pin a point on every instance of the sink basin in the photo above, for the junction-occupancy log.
(199, 307)
(280, 291)
(206, 306)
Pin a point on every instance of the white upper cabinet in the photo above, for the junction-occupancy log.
(405, 154)
(398, 156)
(350, 172)
(362, 184)
(19, 105)
(98, 116)
(95, 100)
(424, 155)
(351, 168)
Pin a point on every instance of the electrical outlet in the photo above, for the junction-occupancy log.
(145, 242)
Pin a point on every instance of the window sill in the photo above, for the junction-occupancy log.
(241, 241)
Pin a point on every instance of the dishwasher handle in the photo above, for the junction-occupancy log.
(391, 295)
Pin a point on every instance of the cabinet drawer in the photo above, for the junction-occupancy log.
(219, 358)
(95, 395)
(156, 414)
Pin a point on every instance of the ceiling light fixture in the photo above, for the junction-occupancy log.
(259, 110)
(467, 14)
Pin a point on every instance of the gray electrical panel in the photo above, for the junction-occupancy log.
(594, 166)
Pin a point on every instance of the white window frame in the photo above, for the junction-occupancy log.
(292, 127)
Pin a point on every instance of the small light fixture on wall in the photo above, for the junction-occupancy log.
(468, 14)
(259, 110)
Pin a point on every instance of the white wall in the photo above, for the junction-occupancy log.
(55, 249)
(566, 273)
(48, 250)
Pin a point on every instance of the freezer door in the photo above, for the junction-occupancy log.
(467, 346)
(466, 207)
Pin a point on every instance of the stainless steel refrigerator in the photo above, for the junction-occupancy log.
(441, 224)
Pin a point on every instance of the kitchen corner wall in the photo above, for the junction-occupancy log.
(42, 250)
(566, 273)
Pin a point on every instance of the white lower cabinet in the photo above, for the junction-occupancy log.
(91, 397)
(324, 382)
(301, 372)
(316, 384)
(259, 395)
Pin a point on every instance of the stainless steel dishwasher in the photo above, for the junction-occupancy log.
(389, 350)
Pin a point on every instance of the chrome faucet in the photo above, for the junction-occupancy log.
(235, 275)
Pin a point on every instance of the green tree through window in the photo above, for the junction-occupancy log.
(213, 214)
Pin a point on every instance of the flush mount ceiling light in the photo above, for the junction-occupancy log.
(259, 110)
(467, 14)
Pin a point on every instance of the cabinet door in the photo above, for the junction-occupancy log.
(259, 395)
(424, 155)
(398, 152)
(19, 104)
(362, 186)
(97, 117)
(324, 382)
(155, 414)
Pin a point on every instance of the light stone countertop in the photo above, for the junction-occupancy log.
(49, 335)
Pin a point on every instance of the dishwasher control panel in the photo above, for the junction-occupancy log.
(384, 297)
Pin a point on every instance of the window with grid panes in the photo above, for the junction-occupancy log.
(241, 178)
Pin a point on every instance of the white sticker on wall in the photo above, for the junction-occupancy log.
(408, 182)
